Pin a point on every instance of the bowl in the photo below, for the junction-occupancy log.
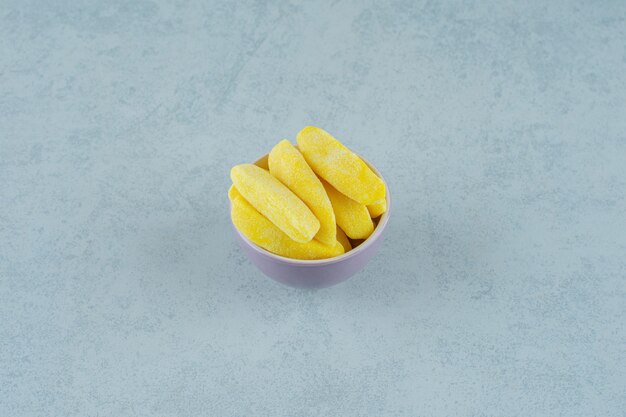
(316, 273)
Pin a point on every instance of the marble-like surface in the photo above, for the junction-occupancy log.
(501, 287)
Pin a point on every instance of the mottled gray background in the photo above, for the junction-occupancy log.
(499, 291)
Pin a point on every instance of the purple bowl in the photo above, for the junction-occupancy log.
(317, 273)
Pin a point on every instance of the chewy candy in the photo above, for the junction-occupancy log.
(343, 239)
(343, 169)
(352, 217)
(262, 162)
(265, 234)
(232, 193)
(287, 164)
(377, 209)
(275, 201)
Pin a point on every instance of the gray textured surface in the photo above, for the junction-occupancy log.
(500, 290)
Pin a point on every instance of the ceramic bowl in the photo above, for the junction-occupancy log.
(316, 273)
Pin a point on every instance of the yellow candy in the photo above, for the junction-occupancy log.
(288, 165)
(340, 167)
(275, 201)
(343, 239)
(263, 163)
(258, 229)
(232, 193)
(377, 209)
(352, 217)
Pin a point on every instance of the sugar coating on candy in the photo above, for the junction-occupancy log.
(343, 239)
(377, 209)
(343, 169)
(287, 164)
(275, 201)
(262, 232)
(352, 217)
(232, 193)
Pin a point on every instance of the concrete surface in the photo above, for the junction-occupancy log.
(500, 290)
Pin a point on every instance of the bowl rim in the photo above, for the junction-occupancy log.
(382, 224)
